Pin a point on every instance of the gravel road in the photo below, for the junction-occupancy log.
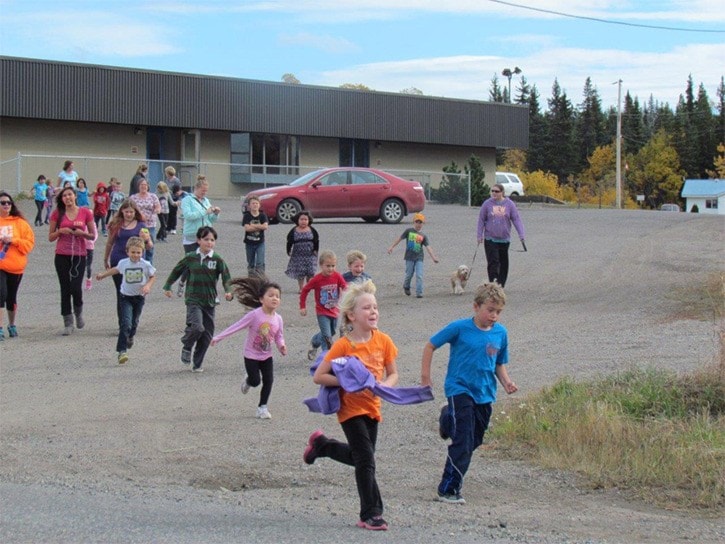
(150, 452)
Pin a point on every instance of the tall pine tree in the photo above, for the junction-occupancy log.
(560, 156)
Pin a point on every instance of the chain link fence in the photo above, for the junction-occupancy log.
(18, 175)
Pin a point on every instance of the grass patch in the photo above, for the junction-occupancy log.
(649, 432)
(658, 434)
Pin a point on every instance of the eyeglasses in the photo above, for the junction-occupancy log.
(495, 191)
(417, 221)
(6, 203)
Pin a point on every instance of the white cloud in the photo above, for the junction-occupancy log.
(101, 33)
(664, 76)
(329, 44)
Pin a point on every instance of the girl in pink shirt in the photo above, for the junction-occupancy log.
(265, 329)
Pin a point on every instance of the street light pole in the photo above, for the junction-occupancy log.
(509, 73)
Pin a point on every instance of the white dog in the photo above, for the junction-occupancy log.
(459, 279)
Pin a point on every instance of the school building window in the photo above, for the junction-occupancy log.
(256, 153)
(711, 203)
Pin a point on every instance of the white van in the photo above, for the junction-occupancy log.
(511, 183)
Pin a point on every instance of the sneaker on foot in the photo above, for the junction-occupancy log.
(263, 412)
(418, 296)
(376, 523)
(12, 331)
(406, 290)
(311, 452)
(245, 386)
(197, 369)
(451, 498)
(311, 353)
(186, 356)
(89, 284)
(129, 342)
(122, 358)
(180, 289)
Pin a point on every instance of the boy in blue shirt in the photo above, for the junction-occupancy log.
(478, 353)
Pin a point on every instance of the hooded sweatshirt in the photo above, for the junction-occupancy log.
(495, 219)
(23, 241)
(101, 200)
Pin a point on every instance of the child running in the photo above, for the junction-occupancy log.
(204, 270)
(265, 329)
(415, 241)
(137, 279)
(327, 285)
(356, 267)
(478, 353)
(359, 413)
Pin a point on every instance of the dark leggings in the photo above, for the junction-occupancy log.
(9, 285)
(362, 434)
(497, 255)
(40, 204)
(255, 369)
(89, 262)
(70, 277)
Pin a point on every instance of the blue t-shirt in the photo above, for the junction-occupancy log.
(40, 191)
(473, 357)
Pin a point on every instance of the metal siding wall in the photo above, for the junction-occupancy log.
(60, 91)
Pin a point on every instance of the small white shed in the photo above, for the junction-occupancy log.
(707, 194)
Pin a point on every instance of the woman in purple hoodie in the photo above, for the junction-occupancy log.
(497, 215)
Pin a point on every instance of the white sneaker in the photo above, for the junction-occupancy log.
(246, 387)
(263, 413)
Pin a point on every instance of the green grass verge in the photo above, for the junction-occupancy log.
(660, 436)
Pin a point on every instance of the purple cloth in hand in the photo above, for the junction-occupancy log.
(353, 377)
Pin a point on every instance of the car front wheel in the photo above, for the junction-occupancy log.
(392, 211)
(287, 209)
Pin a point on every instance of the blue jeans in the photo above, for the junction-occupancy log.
(328, 325)
(255, 259)
(149, 253)
(465, 424)
(414, 267)
(129, 312)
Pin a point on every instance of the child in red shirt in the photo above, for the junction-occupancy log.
(328, 285)
(101, 202)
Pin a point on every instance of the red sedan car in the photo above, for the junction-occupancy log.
(344, 192)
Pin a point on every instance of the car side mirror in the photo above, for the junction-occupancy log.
(315, 184)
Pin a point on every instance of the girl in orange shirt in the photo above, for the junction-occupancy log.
(359, 413)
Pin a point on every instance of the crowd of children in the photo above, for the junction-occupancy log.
(478, 344)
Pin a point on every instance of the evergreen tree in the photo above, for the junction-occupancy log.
(590, 125)
(495, 94)
(684, 131)
(720, 121)
(523, 92)
(704, 127)
(633, 132)
(538, 134)
(560, 156)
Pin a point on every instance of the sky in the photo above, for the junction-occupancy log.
(449, 48)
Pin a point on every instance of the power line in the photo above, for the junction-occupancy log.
(608, 21)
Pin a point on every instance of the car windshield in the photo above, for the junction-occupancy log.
(304, 179)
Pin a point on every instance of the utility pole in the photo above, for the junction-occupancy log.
(619, 143)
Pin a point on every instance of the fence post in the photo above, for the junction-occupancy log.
(19, 173)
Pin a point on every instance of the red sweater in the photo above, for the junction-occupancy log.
(327, 293)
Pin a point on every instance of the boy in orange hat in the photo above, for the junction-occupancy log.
(415, 241)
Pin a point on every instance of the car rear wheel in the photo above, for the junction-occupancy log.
(392, 211)
(287, 209)
(370, 219)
